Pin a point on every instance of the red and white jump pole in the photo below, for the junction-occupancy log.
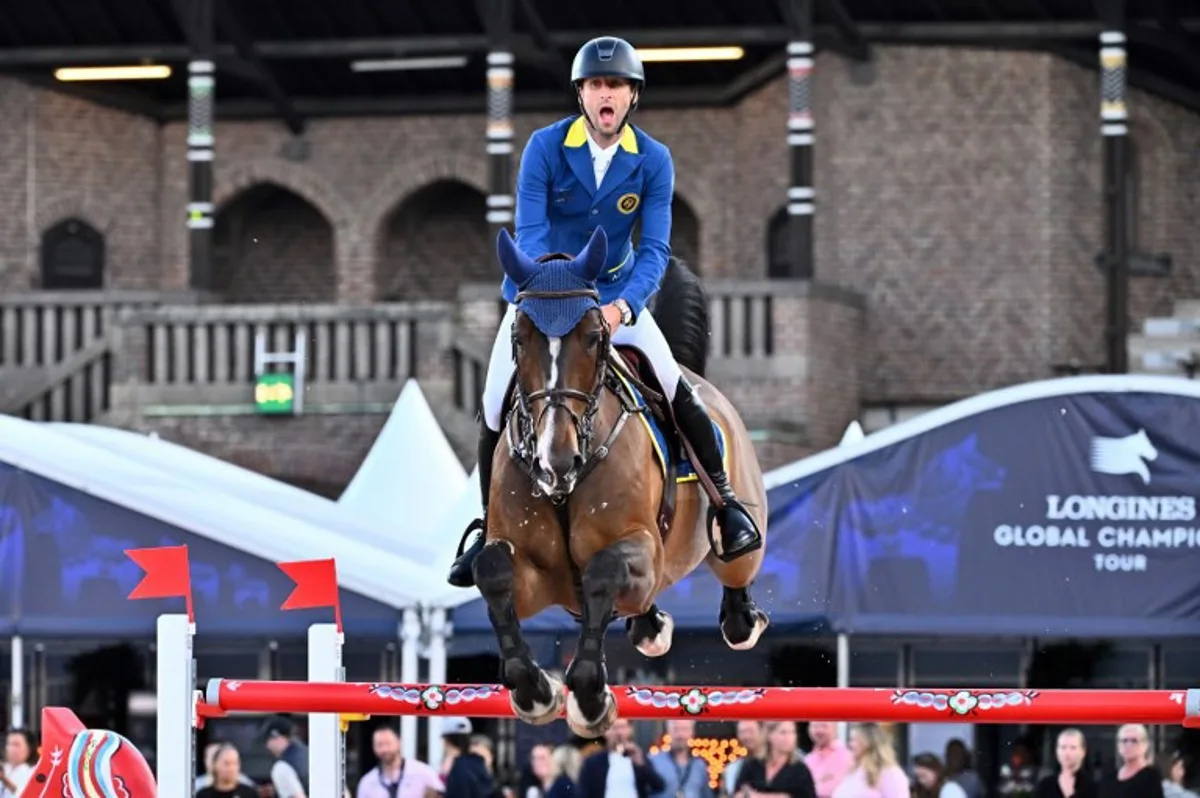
(854, 704)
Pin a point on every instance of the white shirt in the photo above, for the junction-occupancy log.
(601, 158)
(18, 775)
(620, 782)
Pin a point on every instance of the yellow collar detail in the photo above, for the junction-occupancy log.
(577, 136)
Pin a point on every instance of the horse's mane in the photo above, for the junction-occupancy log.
(681, 310)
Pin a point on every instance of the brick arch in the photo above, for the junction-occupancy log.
(301, 181)
(412, 176)
(75, 206)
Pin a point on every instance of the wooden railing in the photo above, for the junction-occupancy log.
(43, 327)
(205, 354)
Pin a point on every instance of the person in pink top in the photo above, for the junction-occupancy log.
(829, 760)
(876, 773)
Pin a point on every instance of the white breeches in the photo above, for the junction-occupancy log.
(643, 334)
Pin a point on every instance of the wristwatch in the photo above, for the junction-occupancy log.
(626, 312)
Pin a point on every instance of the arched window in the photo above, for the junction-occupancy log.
(72, 256)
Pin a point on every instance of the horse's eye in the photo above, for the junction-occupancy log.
(593, 339)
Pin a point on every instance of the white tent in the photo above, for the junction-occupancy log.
(418, 542)
(411, 471)
(175, 492)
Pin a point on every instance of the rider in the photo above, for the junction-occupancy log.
(597, 169)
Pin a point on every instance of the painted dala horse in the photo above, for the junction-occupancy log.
(633, 521)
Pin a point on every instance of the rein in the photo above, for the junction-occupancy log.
(522, 436)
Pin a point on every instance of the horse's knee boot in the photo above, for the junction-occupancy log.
(494, 572)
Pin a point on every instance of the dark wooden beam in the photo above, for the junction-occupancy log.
(229, 23)
(767, 35)
(855, 44)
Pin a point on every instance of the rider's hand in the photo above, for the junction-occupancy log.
(612, 317)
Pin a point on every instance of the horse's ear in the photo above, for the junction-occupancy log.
(589, 263)
(516, 263)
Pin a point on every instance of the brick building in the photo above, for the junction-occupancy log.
(959, 216)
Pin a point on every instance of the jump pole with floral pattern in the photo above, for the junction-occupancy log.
(853, 704)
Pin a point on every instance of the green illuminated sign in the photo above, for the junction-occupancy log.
(275, 393)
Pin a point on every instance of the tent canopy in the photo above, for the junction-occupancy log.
(411, 472)
(399, 515)
(1064, 507)
(189, 492)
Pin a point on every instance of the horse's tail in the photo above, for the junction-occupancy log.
(681, 310)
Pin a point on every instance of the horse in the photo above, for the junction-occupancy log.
(614, 527)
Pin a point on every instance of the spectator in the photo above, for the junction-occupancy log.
(1137, 777)
(684, 774)
(395, 776)
(753, 737)
(206, 780)
(468, 775)
(1072, 779)
(19, 748)
(782, 772)
(227, 776)
(540, 777)
(1173, 768)
(960, 770)
(567, 762)
(289, 773)
(875, 774)
(829, 761)
(931, 782)
(619, 771)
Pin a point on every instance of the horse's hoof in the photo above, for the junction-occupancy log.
(590, 730)
(542, 714)
(660, 644)
(742, 630)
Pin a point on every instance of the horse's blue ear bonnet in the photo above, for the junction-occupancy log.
(556, 317)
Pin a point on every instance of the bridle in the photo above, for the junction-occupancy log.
(522, 436)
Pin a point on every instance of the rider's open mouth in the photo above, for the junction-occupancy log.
(608, 114)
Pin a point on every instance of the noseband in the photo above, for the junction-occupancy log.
(522, 437)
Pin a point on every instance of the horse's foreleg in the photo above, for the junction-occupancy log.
(613, 571)
(651, 632)
(536, 696)
(742, 621)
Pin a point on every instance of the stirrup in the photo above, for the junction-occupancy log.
(479, 524)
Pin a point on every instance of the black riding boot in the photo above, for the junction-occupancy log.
(739, 534)
(461, 574)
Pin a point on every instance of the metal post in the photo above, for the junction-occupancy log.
(800, 141)
(175, 757)
(326, 741)
(17, 690)
(1115, 131)
(201, 83)
(500, 203)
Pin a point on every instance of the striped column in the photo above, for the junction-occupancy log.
(800, 195)
(201, 99)
(1114, 130)
(500, 204)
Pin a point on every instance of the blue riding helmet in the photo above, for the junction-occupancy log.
(608, 57)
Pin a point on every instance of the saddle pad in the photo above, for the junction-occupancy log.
(684, 470)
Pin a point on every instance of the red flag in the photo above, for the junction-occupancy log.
(167, 574)
(316, 586)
